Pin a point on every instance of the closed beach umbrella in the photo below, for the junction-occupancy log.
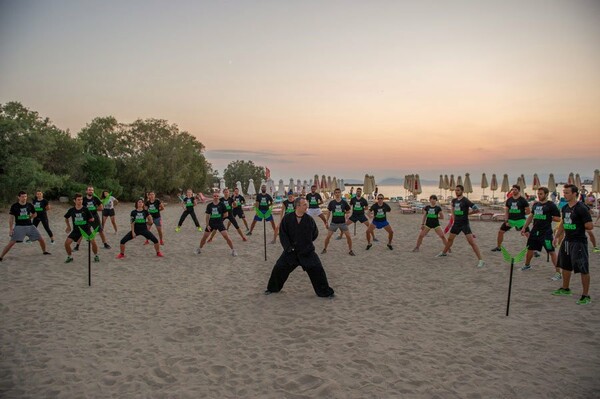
(222, 185)
(494, 184)
(484, 182)
(452, 182)
(334, 184)
(251, 188)
(571, 179)
(468, 185)
(367, 185)
(315, 182)
(342, 185)
(291, 186)
(505, 184)
(441, 184)
(418, 188)
(305, 185)
(459, 181)
(578, 181)
(280, 189)
(551, 183)
(523, 184)
(596, 182)
(446, 183)
(536, 182)
(298, 186)
(323, 183)
(238, 185)
(329, 183)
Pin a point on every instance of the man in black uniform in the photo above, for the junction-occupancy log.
(140, 218)
(573, 254)
(516, 210)
(297, 233)
(358, 204)
(216, 212)
(460, 210)
(82, 218)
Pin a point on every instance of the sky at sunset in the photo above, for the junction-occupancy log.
(335, 87)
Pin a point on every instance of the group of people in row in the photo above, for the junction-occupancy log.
(574, 223)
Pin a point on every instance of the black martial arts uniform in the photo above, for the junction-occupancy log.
(298, 250)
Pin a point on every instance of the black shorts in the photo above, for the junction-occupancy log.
(573, 256)
(461, 228)
(239, 212)
(506, 226)
(358, 218)
(233, 222)
(146, 233)
(96, 223)
(217, 225)
(540, 239)
(432, 223)
(108, 212)
(75, 234)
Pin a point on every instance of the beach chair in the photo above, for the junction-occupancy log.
(201, 198)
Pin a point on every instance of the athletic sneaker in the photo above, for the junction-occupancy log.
(120, 255)
(562, 292)
(481, 263)
(46, 253)
(76, 248)
(233, 252)
(267, 292)
(390, 247)
(146, 242)
(159, 254)
(415, 249)
(27, 241)
(584, 300)
(557, 277)
(177, 229)
(596, 249)
(198, 251)
(375, 239)
(369, 246)
(162, 242)
(526, 267)
(496, 249)
(324, 251)
(248, 233)
(338, 237)
(351, 253)
(106, 246)
(96, 259)
(441, 255)
(536, 254)
(51, 242)
(69, 259)
(199, 228)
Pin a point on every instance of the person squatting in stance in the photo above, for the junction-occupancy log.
(109, 202)
(515, 212)
(215, 213)
(379, 211)
(461, 206)
(187, 203)
(543, 213)
(230, 205)
(238, 211)
(314, 204)
(262, 207)
(93, 204)
(21, 226)
(140, 220)
(431, 220)
(41, 207)
(573, 254)
(296, 234)
(358, 204)
(338, 210)
(82, 219)
(154, 206)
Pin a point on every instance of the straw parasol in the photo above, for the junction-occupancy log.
(280, 189)
(505, 184)
(536, 182)
(596, 182)
(418, 187)
(291, 186)
(251, 189)
(446, 183)
(316, 182)
(323, 183)
(484, 182)
(334, 184)
(523, 184)
(342, 185)
(551, 183)
(459, 181)
(271, 187)
(441, 184)
(468, 185)
(329, 183)
(578, 181)
(452, 184)
(494, 184)
(571, 179)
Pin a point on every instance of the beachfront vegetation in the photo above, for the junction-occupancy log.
(243, 171)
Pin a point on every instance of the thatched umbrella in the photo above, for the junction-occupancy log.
(334, 184)
(316, 182)
(494, 184)
(459, 181)
(505, 184)
(441, 184)
(484, 182)
(551, 183)
(418, 188)
(596, 182)
(523, 184)
(452, 184)
(536, 182)
(571, 179)
(342, 185)
(578, 181)
(468, 185)
(373, 184)
(446, 183)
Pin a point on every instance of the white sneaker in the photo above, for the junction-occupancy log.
(557, 277)
(441, 255)
(481, 263)
(198, 251)
(233, 252)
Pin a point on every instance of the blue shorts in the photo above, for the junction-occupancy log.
(157, 222)
(380, 225)
(258, 218)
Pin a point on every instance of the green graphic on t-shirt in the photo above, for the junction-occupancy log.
(569, 226)
(539, 217)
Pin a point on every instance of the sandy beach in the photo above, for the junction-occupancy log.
(402, 324)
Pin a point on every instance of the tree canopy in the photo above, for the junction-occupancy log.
(243, 171)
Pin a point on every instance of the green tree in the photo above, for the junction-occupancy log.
(243, 171)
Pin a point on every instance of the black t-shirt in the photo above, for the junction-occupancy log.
(460, 210)
(288, 206)
(264, 201)
(40, 206)
(239, 199)
(22, 213)
(358, 206)
(188, 202)
(81, 217)
(139, 219)
(542, 215)
(574, 220)
(154, 208)
(313, 200)
(432, 212)
(380, 212)
(92, 205)
(216, 211)
(338, 211)
(228, 203)
(516, 208)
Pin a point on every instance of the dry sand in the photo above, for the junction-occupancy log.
(402, 324)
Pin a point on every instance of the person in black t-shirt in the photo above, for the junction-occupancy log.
(516, 212)
(358, 204)
(82, 219)
(238, 202)
(20, 225)
(543, 214)
(154, 206)
(108, 202)
(140, 219)
(93, 204)
(573, 254)
(338, 210)
(41, 206)
(230, 205)
(314, 204)
(216, 212)
(460, 209)
(379, 210)
(263, 210)
(187, 203)
(431, 220)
